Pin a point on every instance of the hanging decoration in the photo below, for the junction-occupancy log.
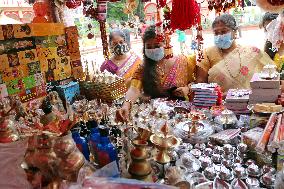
(40, 11)
(73, 4)
(168, 32)
(199, 39)
(271, 5)
(90, 34)
(185, 14)
(224, 5)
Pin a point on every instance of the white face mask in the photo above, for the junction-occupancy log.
(156, 54)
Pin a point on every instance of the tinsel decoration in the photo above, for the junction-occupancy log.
(185, 14)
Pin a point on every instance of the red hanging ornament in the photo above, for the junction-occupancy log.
(185, 14)
(161, 3)
(72, 4)
(90, 36)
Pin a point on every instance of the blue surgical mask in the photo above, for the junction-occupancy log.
(156, 54)
(224, 41)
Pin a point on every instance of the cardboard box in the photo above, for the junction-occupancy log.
(259, 83)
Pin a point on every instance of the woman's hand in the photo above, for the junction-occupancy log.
(122, 114)
(182, 91)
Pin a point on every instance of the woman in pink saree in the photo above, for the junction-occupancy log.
(123, 62)
(157, 76)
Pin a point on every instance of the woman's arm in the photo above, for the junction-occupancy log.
(132, 94)
(201, 75)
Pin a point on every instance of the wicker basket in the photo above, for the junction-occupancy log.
(103, 91)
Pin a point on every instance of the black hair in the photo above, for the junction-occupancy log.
(226, 19)
(149, 79)
(268, 49)
(267, 17)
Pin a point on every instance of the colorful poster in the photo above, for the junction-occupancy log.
(15, 86)
(29, 82)
(22, 30)
(28, 56)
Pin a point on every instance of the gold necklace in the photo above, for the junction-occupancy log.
(227, 67)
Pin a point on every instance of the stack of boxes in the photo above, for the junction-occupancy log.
(237, 100)
(206, 95)
(264, 90)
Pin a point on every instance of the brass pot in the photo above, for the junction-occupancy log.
(64, 146)
(139, 151)
(139, 167)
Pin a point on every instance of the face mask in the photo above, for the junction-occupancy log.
(120, 49)
(156, 54)
(224, 41)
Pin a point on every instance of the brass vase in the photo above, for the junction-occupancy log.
(139, 167)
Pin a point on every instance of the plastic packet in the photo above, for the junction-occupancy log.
(12, 175)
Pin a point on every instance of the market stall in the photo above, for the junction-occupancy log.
(59, 126)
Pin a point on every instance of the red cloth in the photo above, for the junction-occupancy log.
(185, 14)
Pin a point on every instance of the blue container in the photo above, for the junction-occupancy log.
(68, 91)
(106, 151)
(94, 140)
(81, 144)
